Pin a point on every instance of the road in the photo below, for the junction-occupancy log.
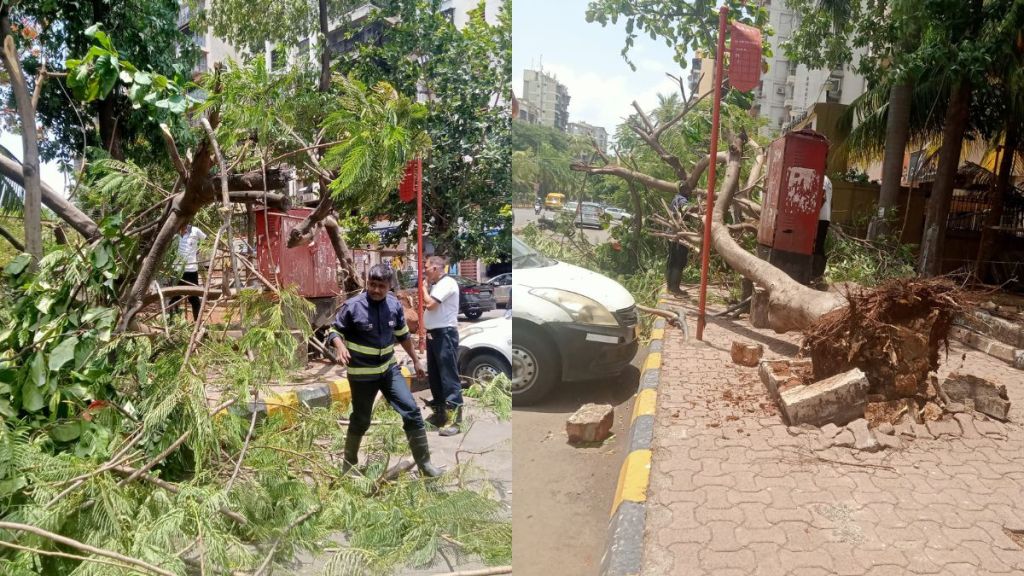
(523, 216)
(565, 493)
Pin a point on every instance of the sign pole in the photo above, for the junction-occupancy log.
(421, 333)
(709, 205)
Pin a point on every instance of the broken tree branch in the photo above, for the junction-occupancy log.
(10, 238)
(172, 151)
(627, 174)
(85, 547)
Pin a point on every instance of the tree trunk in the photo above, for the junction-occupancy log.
(932, 244)
(897, 131)
(791, 305)
(334, 232)
(986, 247)
(29, 139)
(110, 136)
(10, 238)
(637, 224)
(325, 54)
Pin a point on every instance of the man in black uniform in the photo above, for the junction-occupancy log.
(363, 336)
(677, 253)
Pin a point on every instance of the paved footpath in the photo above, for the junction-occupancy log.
(732, 492)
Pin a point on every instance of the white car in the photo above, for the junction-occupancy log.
(617, 213)
(485, 349)
(571, 324)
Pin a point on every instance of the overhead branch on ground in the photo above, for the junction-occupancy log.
(64, 210)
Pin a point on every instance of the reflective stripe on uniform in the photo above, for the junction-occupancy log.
(369, 350)
(402, 332)
(370, 370)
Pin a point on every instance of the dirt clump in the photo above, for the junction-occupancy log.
(892, 333)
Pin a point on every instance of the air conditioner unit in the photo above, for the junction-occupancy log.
(781, 90)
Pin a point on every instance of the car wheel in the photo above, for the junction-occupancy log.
(535, 366)
(474, 315)
(486, 366)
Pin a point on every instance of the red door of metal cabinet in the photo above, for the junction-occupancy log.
(796, 171)
(311, 268)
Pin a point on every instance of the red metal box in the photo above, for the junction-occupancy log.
(311, 268)
(793, 194)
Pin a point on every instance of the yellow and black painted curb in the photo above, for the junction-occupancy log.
(313, 396)
(625, 545)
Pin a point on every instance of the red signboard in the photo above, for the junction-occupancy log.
(311, 268)
(744, 57)
(793, 194)
(412, 182)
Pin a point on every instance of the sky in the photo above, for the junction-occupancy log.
(47, 172)
(586, 59)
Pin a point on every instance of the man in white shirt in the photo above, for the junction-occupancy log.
(824, 219)
(189, 238)
(440, 318)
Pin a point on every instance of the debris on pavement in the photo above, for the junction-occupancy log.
(746, 354)
(591, 423)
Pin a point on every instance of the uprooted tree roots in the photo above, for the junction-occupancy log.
(892, 333)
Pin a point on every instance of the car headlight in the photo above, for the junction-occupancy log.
(580, 308)
(470, 331)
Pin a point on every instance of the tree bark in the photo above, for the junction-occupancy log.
(986, 247)
(64, 210)
(791, 305)
(29, 139)
(627, 174)
(897, 132)
(352, 281)
(325, 54)
(302, 232)
(110, 136)
(933, 242)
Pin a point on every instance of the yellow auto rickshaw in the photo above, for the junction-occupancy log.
(554, 200)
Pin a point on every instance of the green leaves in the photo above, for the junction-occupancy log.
(64, 352)
(94, 77)
(18, 265)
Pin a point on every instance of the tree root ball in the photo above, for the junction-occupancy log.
(892, 333)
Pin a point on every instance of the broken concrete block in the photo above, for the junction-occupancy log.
(746, 354)
(863, 439)
(887, 442)
(779, 374)
(1018, 359)
(591, 423)
(943, 427)
(839, 399)
(886, 428)
(989, 398)
(993, 406)
(844, 439)
(830, 430)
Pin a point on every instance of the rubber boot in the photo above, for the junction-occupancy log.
(673, 276)
(421, 452)
(454, 427)
(439, 417)
(352, 442)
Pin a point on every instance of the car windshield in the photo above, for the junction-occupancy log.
(525, 257)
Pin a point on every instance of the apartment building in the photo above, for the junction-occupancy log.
(549, 98)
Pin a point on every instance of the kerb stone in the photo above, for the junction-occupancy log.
(839, 400)
(591, 423)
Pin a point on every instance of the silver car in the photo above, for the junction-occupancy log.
(589, 215)
(502, 285)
